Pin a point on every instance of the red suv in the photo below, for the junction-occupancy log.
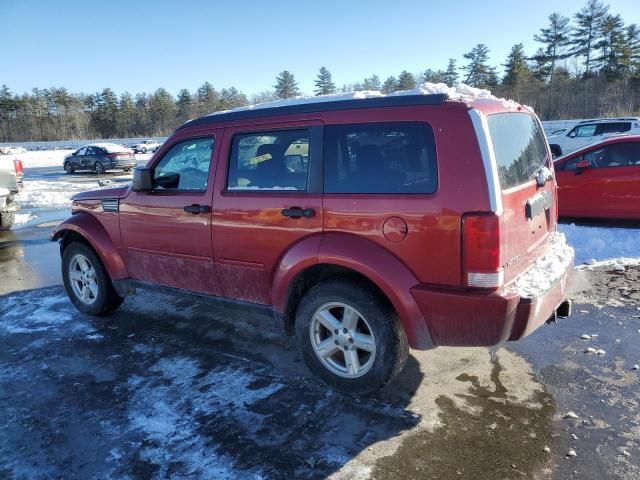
(367, 226)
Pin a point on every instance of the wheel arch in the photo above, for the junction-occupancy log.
(343, 255)
(86, 228)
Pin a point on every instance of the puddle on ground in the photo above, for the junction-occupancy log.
(494, 438)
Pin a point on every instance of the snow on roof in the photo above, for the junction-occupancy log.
(461, 92)
(110, 147)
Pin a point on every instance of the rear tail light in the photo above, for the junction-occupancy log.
(481, 258)
(17, 164)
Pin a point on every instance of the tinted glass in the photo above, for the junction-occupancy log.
(519, 146)
(269, 161)
(82, 151)
(380, 158)
(617, 155)
(617, 127)
(185, 166)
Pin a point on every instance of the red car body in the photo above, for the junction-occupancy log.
(447, 262)
(601, 180)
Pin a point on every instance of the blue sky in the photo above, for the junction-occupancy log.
(139, 46)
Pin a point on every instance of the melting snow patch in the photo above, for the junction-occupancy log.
(546, 270)
(603, 246)
(22, 218)
(45, 194)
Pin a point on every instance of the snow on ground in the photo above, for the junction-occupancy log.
(22, 218)
(47, 194)
(603, 245)
(45, 158)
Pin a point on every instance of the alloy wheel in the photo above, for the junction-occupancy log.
(342, 340)
(82, 277)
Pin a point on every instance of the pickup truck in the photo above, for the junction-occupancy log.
(11, 174)
(145, 146)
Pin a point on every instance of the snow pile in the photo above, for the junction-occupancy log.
(45, 194)
(22, 218)
(546, 270)
(45, 158)
(609, 246)
(461, 92)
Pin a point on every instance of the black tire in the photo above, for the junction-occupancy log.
(127, 170)
(391, 346)
(68, 168)
(144, 149)
(107, 299)
(99, 168)
(7, 219)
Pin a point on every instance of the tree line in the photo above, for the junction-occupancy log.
(586, 66)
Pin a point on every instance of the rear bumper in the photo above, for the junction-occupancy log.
(465, 319)
(472, 318)
(125, 163)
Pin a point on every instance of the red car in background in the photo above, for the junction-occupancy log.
(601, 180)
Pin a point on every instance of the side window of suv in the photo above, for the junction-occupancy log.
(614, 127)
(185, 166)
(269, 161)
(396, 157)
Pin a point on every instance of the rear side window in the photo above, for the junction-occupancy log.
(614, 127)
(380, 158)
(519, 147)
(269, 161)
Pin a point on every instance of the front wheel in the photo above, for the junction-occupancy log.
(86, 281)
(350, 337)
(7, 219)
(69, 168)
(144, 150)
(99, 168)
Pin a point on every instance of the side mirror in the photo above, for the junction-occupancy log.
(142, 180)
(572, 134)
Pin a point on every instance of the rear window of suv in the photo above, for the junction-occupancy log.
(519, 147)
(384, 158)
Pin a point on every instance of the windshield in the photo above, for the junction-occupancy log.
(519, 146)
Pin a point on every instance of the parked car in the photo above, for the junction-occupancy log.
(602, 180)
(146, 146)
(100, 157)
(11, 175)
(591, 131)
(367, 226)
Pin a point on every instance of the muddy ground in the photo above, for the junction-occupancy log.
(174, 387)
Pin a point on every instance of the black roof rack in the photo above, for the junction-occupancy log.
(375, 102)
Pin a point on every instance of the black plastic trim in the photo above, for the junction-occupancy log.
(376, 102)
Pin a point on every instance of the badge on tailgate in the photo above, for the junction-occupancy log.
(537, 204)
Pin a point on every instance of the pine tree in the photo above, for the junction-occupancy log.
(431, 76)
(232, 98)
(324, 84)
(516, 69)
(587, 31)
(555, 37)
(207, 99)
(451, 75)
(630, 59)
(540, 67)
(372, 83)
(126, 115)
(286, 85)
(390, 85)
(611, 45)
(406, 81)
(479, 73)
(184, 105)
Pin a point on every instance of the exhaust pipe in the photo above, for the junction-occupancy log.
(563, 311)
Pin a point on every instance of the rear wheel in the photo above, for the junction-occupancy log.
(7, 219)
(99, 168)
(350, 337)
(86, 281)
(69, 168)
(144, 149)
